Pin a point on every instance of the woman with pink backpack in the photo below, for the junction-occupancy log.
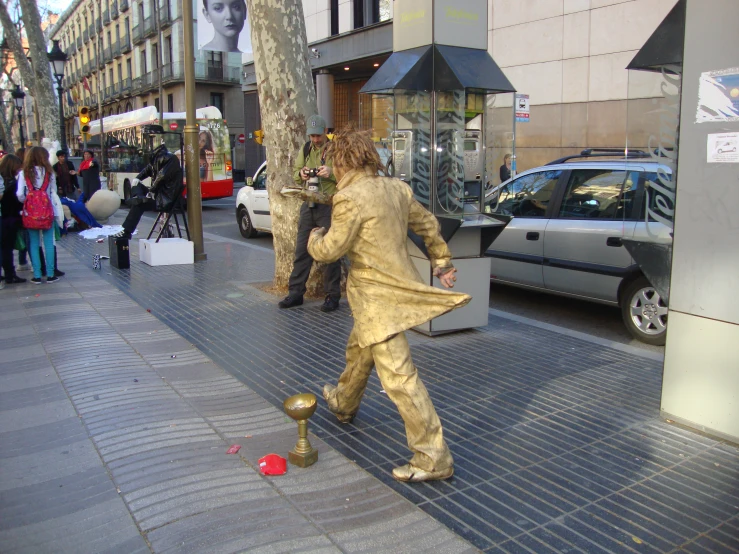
(41, 207)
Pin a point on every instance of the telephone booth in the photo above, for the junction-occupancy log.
(440, 84)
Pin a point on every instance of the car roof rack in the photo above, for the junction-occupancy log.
(603, 153)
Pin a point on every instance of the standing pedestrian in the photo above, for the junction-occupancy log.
(10, 208)
(370, 222)
(90, 173)
(66, 176)
(505, 169)
(37, 176)
(313, 156)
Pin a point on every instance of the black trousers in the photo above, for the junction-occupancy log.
(320, 216)
(11, 227)
(135, 213)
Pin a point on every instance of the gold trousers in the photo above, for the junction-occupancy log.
(399, 378)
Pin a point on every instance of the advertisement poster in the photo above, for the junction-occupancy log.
(718, 96)
(722, 148)
(223, 26)
(213, 143)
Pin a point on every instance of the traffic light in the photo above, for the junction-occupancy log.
(84, 114)
(258, 136)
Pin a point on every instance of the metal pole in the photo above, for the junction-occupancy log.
(100, 94)
(191, 157)
(60, 90)
(160, 56)
(513, 148)
(20, 124)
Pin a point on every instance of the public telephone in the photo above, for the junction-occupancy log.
(402, 157)
(474, 160)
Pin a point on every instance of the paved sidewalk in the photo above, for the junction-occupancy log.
(557, 439)
(113, 438)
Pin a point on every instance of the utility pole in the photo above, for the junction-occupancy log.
(98, 59)
(160, 57)
(192, 152)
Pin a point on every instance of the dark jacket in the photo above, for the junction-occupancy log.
(505, 173)
(71, 185)
(10, 206)
(91, 178)
(166, 179)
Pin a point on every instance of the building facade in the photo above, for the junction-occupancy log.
(569, 56)
(120, 49)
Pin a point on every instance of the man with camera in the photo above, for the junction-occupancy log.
(313, 170)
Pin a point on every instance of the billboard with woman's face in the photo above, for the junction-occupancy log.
(223, 26)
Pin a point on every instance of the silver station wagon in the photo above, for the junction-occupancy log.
(569, 219)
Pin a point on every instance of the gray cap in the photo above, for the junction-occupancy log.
(316, 125)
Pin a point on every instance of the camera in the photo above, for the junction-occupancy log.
(312, 183)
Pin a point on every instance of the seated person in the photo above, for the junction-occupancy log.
(166, 188)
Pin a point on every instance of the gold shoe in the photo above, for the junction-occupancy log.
(343, 418)
(415, 474)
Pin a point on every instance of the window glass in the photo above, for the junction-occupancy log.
(658, 203)
(593, 194)
(260, 183)
(527, 196)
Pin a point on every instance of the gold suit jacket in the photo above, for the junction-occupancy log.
(369, 223)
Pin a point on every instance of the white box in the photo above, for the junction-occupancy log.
(166, 251)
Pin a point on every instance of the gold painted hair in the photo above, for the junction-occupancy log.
(354, 149)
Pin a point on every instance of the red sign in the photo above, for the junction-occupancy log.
(241, 138)
(173, 126)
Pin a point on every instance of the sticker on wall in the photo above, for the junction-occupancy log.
(718, 96)
(722, 148)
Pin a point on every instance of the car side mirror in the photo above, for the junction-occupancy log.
(250, 181)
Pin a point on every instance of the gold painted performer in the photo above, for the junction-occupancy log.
(369, 223)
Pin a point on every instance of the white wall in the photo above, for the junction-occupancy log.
(564, 51)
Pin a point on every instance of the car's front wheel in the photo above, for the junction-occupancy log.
(245, 225)
(644, 312)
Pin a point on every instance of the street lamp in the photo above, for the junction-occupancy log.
(19, 97)
(57, 59)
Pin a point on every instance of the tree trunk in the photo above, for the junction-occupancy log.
(6, 132)
(43, 89)
(286, 98)
(14, 42)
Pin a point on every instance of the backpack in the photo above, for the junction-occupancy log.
(38, 213)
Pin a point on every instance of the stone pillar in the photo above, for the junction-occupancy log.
(701, 375)
(325, 96)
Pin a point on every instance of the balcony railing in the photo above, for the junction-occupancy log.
(107, 56)
(106, 17)
(137, 33)
(72, 49)
(149, 28)
(126, 86)
(176, 72)
(114, 10)
(85, 35)
(79, 42)
(92, 30)
(116, 49)
(92, 100)
(227, 74)
(123, 5)
(126, 43)
(165, 16)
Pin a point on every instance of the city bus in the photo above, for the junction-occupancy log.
(126, 148)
